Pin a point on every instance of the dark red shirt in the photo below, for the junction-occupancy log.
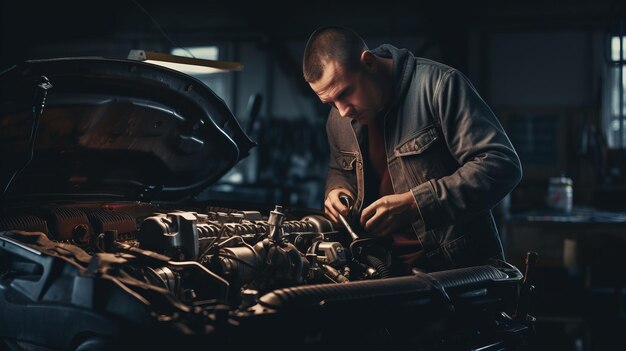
(405, 245)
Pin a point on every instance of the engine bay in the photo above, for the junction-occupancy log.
(230, 276)
(244, 247)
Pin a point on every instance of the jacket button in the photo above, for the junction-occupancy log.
(345, 163)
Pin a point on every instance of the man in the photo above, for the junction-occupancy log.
(412, 142)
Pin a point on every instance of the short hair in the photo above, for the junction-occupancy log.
(331, 43)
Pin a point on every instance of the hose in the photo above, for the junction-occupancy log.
(380, 267)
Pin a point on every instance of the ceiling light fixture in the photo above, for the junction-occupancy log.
(184, 64)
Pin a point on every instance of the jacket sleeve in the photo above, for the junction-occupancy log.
(337, 177)
(489, 166)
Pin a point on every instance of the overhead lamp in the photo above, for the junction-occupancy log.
(187, 65)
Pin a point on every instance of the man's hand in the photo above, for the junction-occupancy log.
(333, 206)
(390, 214)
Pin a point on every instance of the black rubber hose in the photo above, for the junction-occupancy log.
(423, 285)
(312, 295)
(380, 267)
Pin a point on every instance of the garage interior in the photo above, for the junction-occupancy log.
(549, 70)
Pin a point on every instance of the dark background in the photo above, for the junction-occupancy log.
(541, 65)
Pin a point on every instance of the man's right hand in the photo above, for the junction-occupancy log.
(333, 206)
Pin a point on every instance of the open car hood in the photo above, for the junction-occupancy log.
(112, 127)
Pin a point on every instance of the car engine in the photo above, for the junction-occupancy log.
(228, 276)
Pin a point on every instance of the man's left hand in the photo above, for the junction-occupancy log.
(390, 214)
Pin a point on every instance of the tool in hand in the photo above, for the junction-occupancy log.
(347, 201)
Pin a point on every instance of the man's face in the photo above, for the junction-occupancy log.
(354, 94)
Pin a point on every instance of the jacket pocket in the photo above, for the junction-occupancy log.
(422, 157)
(418, 143)
(347, 160)
(352, 165)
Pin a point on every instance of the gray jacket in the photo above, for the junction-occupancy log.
(446, 146)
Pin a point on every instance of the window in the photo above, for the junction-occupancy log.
(615, 103)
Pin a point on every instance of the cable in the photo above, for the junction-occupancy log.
(41, 92)
(161, 28)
